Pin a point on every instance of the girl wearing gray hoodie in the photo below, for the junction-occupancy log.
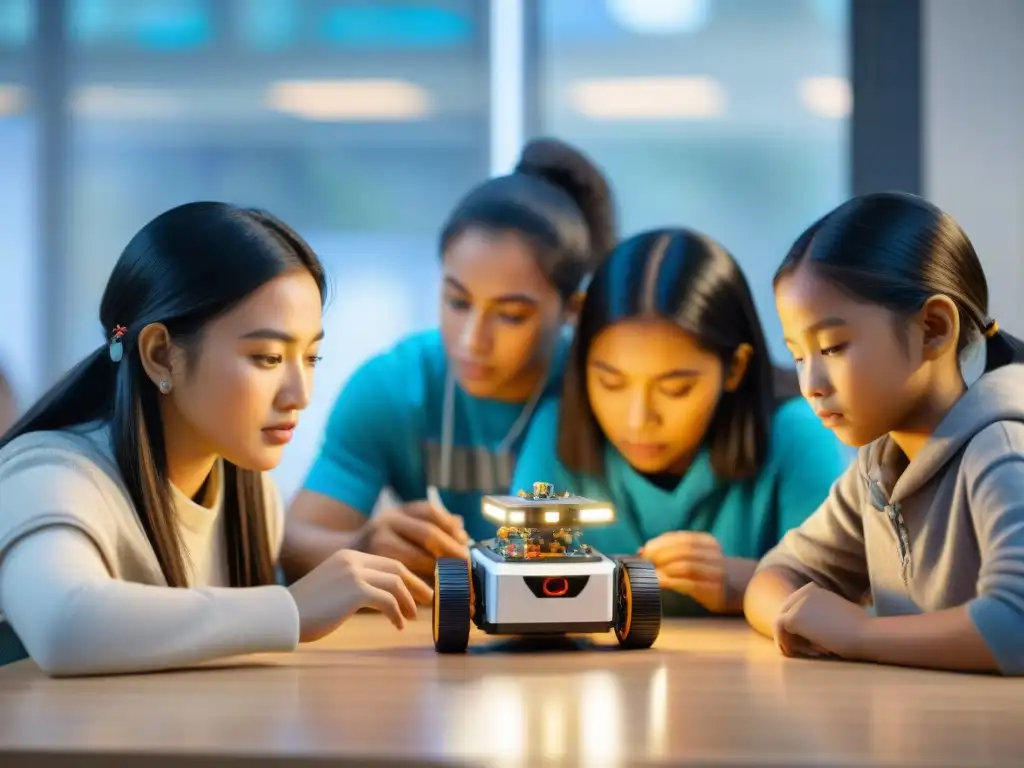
(881, 301)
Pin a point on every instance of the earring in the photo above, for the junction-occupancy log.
(165, 386)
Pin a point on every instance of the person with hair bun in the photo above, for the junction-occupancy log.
(438, 418)
(882, 301)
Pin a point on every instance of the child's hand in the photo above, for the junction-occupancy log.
(816, 622)
(416, 534)
(692, 564)
(350, 580)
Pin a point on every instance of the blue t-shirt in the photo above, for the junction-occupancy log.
(747, 517)
(385, 431)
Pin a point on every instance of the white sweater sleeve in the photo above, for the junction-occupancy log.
(75, 619)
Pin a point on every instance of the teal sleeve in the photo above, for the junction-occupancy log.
(366, 437)
(809, 461)
(538, 456)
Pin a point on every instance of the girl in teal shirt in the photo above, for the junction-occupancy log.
(439, 417)
(670, 411)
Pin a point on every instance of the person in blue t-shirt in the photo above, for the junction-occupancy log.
(445, 410)
(671, 411)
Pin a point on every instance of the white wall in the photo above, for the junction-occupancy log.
(973, 113)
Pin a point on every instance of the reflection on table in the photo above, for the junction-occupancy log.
(711, 691)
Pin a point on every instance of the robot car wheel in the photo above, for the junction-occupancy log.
(452, 600)
(637, 603)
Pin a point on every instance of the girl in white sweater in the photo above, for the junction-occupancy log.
(138, 530)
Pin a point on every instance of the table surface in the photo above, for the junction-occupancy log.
(710, 692)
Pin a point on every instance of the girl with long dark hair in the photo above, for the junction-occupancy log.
(138, 529)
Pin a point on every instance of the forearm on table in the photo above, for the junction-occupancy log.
(738, 571)
(766, 592)
(947, 640)
(74, 619)
(124, 627)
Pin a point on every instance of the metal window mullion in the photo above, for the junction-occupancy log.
(50, 91)
(507, 124)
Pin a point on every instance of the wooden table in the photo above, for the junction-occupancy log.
(710, 693)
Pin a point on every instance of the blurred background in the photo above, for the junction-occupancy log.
(361, 123)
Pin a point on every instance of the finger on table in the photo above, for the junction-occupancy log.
(393, 584)
(419, 589)
(381, 600)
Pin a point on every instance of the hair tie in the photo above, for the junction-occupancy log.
(991, 329)
(116, 348)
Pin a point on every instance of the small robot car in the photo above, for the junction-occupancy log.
(536, 577)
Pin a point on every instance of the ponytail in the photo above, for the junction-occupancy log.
(1001, 348)
(83, 394)
(558, 200)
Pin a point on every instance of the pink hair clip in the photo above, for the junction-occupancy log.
(116, 348)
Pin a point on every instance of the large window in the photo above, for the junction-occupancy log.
(359, 123)
(728, 116)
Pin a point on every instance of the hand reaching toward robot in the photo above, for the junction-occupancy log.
(350, 580)
(692, 564)
(416, 533)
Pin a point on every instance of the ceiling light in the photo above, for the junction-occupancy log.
(665, 17)
(648, 98)
(827, 96)
(350, 100)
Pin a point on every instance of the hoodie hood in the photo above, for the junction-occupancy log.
(996, 396)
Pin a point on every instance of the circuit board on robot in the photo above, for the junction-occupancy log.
(543, 525)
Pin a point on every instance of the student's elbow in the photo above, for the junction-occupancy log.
(66, 656)
(65, 650)
(998, 615)
(80, 648)
(66, 638)
(57, 659)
